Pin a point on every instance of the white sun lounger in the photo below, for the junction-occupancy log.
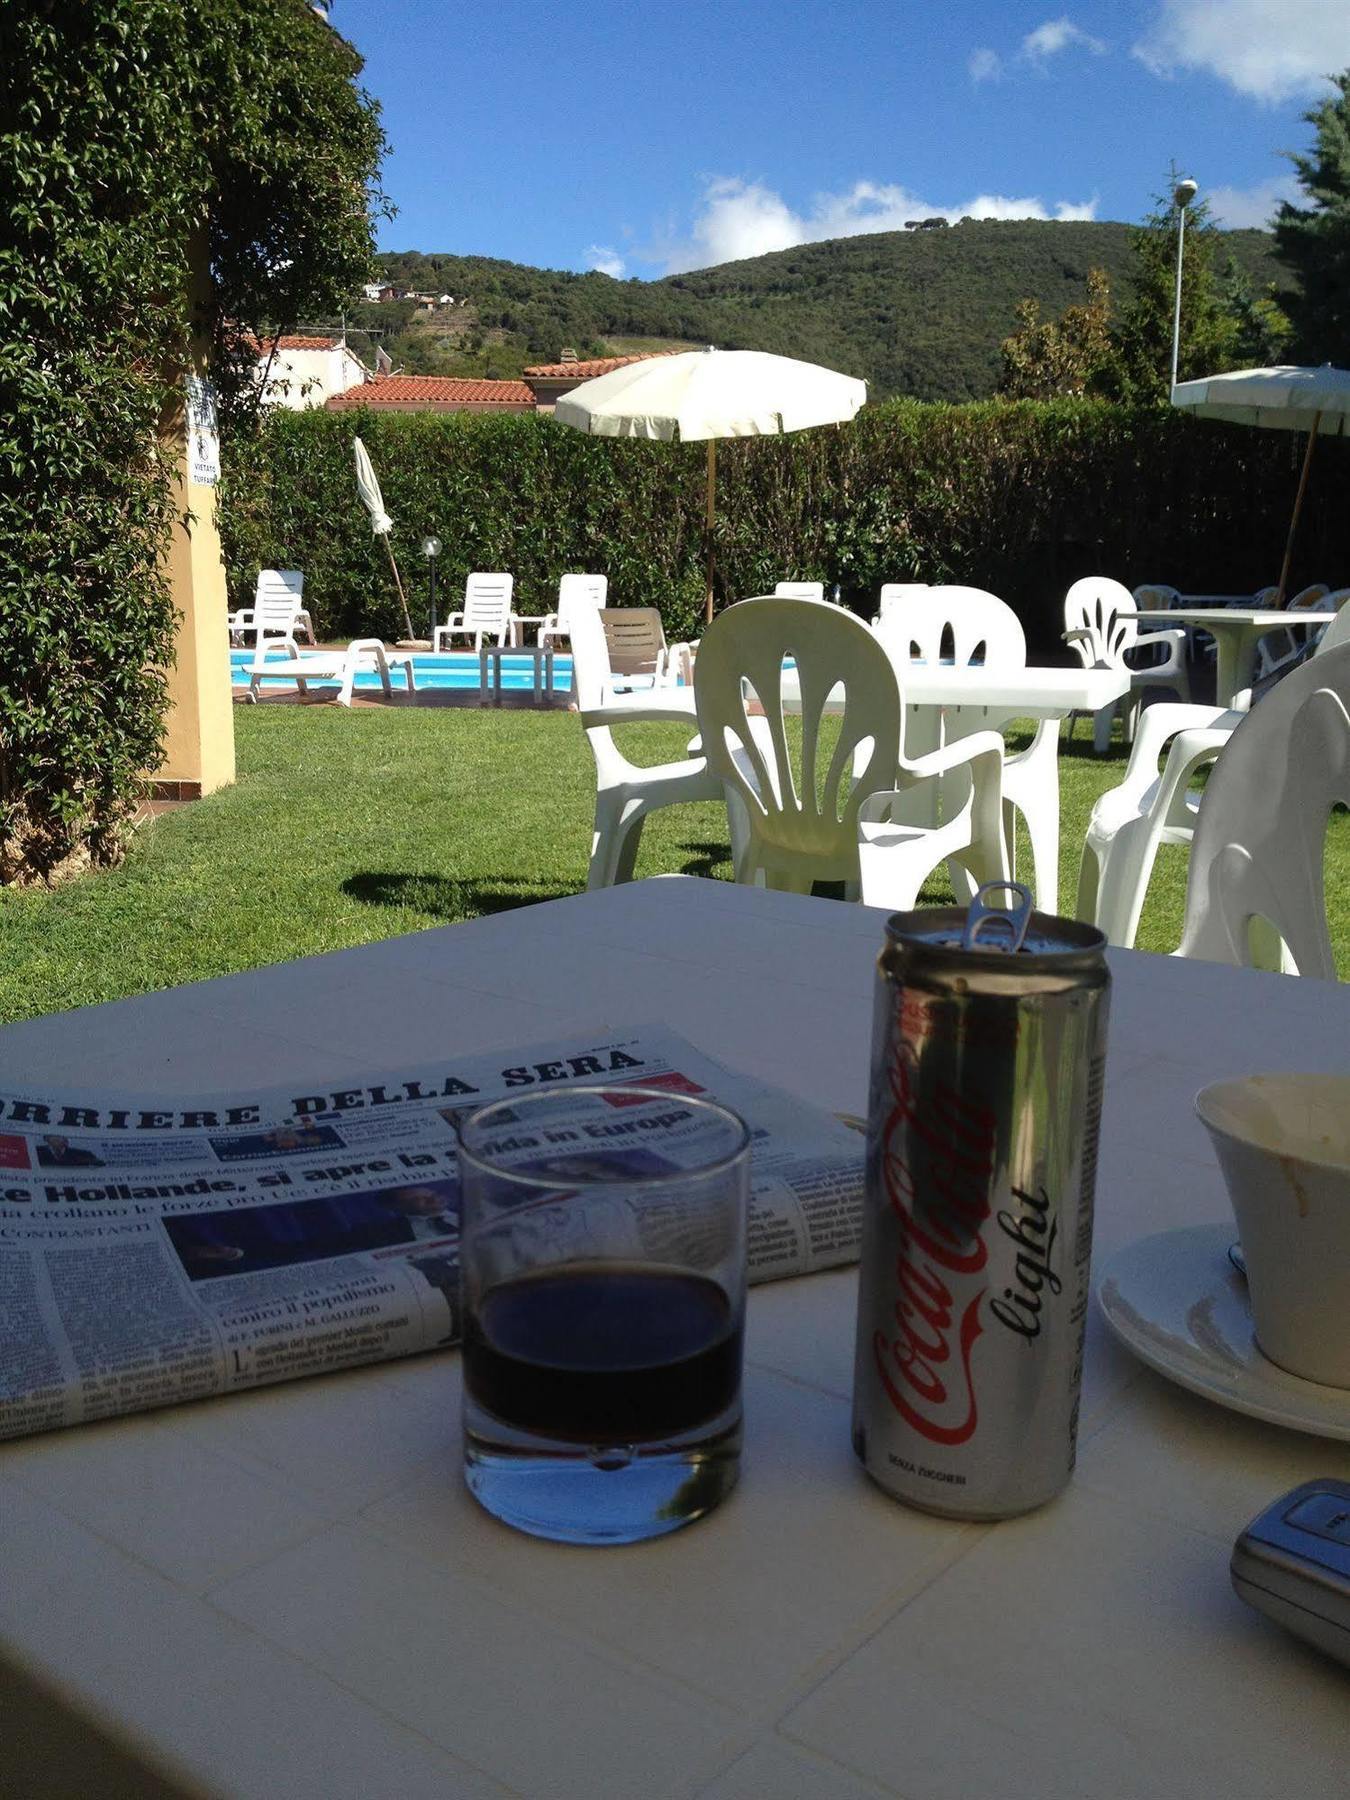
(287, 662)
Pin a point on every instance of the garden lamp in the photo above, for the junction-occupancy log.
(1183, 193)
(431, 549)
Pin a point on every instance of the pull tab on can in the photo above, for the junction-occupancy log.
(997, 927)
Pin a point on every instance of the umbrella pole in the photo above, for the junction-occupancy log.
(407, 620)
(1298, 507)
(708, 526)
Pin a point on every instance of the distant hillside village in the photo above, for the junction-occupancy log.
(303, 371)
(384, 293)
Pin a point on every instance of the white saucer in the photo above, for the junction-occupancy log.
(1178, 1303)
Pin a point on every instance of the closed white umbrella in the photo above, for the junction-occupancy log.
(368, 487)
(1279, 399)
(711, 394)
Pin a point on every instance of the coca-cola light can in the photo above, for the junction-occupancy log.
(988, 1054)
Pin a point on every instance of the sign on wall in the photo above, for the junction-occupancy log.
(203, 435)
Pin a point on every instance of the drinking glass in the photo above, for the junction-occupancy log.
(603, 1258)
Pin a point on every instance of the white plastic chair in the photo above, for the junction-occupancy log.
(277, 611)
(893, 597)
(638, 653)
(1338, 632)
(486, 613)
(799, 590)
(624, 792)
(1156, 596)
(1256, 896)
(1100, 623)
(965, 625)
(1146, 810)
(330, 667)
(801, 823)
(1282, 650)
(573, 591)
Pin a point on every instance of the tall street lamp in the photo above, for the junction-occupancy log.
(1182, 194)
(431, 549)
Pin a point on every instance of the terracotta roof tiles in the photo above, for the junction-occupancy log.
(440, 393)
(290, 342)
(599, 365)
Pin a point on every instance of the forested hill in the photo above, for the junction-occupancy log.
(917, 312)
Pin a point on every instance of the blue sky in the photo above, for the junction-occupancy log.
(649, 136)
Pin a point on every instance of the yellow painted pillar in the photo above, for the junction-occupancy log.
(199, 729)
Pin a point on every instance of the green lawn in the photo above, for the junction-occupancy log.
(346, 827)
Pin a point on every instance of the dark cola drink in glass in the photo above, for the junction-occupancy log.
(603, 1259)
(605, 1353)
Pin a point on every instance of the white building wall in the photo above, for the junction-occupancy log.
(305, 378)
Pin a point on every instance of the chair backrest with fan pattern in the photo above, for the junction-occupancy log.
(959, 625)
(801, 801)
(1102, 614)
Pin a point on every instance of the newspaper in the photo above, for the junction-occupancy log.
(160, 1250)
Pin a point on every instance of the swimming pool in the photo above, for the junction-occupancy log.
(451, 669)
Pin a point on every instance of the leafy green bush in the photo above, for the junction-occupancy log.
(135, 132)
(1021, 499)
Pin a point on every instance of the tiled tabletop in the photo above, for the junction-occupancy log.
(290, 1593)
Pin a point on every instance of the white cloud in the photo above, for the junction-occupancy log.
(1270, 50)
(746, 218)
(605, 261)
(741, 218)
(985, 65)
(1238, 207)
(999, 206)
(1066, 210)
(1055, 35)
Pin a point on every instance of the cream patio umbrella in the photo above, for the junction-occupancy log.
(1280, 399)
(380, 523)
(711, 394)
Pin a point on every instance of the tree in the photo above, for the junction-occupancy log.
(1143, 336)
(1045, 359)
(1314, 240)
(1262, 328)
(134, 131)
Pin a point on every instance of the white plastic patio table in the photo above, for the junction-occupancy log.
(930, 688)
(1236, 631)
(290, 1593)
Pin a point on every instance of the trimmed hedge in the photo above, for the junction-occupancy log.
(130, 129)
(1021, 499)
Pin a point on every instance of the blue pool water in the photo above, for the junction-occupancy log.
(453, 669)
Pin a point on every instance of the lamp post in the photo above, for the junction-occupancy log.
(1182, 194)
(431, 549)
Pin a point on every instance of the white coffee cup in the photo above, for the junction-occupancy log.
(1283, 1143)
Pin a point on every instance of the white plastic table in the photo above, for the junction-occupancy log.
(289, 1593)
(491, 658)
(930, 688)
(1236, 631)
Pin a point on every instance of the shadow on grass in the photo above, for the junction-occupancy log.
(704, 859)
(439, 897)
(715, 859)
(1079, 749)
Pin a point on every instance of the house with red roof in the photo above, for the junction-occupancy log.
(550, 381)
(540, 389)
(433, 393)
(307, 371)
